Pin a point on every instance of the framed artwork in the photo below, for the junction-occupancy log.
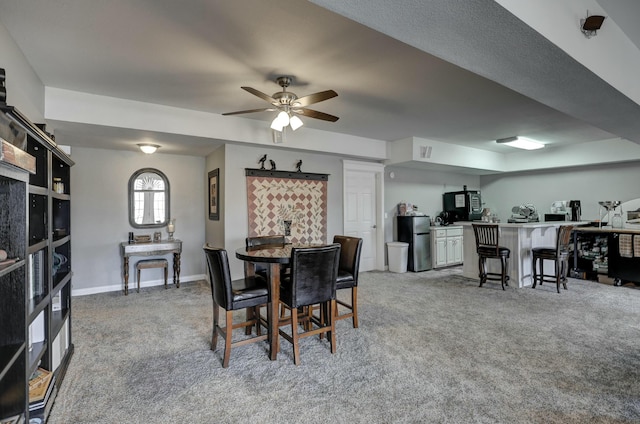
(214, 194)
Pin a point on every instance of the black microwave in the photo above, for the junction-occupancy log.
(462, 206)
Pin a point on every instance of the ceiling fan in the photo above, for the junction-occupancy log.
(290, 105)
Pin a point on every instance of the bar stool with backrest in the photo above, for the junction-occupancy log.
(348, 269)
(264, 241)
(487, 247)
(558, 254)
(312, 280)
(246, 293)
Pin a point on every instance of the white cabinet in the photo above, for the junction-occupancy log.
(447, 246)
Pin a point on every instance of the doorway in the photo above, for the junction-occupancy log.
(363, 196)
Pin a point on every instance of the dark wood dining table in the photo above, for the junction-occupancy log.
(274, 256)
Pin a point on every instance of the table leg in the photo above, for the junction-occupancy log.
(176, 269)
(126, 275)
(274, 300)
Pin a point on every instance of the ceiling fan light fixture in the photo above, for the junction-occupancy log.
(295, 122)
(148, 148)
(521, 143)
(277, 125)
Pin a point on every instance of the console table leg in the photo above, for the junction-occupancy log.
(126, 275)
(176, 269)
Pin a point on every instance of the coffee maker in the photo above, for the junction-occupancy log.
(574, 205)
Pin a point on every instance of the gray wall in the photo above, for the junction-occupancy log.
(587, 184)
(99, 217)
(420, 187)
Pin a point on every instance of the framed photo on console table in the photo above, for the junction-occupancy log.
(214, 194)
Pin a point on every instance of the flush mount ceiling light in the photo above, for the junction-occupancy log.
(591, 25)
(148, 148)
(521, 143)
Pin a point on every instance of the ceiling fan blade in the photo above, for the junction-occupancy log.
(314, 98)
(264, 109)
(261, 95)
(315, 114)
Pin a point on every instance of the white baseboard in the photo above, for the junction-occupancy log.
(133, 285)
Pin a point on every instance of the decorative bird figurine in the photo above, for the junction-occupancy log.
(273, 164)
(262, 160)
(298, 165)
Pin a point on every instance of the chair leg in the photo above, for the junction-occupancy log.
(138, 280)
(227, 338)
(503, 268)
(481, 269)
(354, 305)
(250, 316)
(541, 270)
(332, 323)
(535, 273)
(214, 335)
(565, 272)
(294, 336)
(558, 273)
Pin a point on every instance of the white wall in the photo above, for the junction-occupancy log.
(237, 158)
(99, 215)
(587, 184)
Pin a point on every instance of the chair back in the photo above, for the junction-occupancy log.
(563, 239)
(256, 241)
(350, 249)
(487, 236)
(219, 276)
(314, 271)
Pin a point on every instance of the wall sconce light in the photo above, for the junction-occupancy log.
(521, 143)
(591, 25)
(148, 148)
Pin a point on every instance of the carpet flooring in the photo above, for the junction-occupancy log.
(432, 347)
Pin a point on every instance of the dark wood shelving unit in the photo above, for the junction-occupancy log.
(35, 295)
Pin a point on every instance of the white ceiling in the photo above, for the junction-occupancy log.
(196, 55)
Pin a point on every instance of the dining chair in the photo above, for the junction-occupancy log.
(264, 241)
(246, 293)
(559, 254)
(487, 246)
(312, 280)
(348, 269)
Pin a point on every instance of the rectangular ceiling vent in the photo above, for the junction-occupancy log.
(425, 152)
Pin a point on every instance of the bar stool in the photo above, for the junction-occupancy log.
(487, 246)
(558, 254)
(152, 263)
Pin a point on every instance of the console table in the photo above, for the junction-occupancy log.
(151, 249)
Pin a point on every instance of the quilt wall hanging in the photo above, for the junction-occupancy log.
(289, 203)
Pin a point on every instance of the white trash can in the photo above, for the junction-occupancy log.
(398, 253)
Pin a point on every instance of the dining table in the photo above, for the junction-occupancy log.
(274, 256)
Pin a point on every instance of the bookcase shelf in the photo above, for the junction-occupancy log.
(35, 291)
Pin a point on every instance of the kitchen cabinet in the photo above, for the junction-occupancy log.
(447, 246)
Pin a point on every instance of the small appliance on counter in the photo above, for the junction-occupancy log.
(523, 214)
(465, 205)
(576, 210)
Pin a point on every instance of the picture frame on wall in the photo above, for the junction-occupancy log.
(214, 194)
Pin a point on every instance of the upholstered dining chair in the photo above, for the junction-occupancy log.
(348, 269)
(264, 241)
(487, 247)
(312, 280)
(559, 254)
(246, 293)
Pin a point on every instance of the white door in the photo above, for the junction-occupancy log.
(360, 218)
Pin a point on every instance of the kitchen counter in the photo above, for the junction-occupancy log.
(520, 238)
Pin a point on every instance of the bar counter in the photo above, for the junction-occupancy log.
(520, 239)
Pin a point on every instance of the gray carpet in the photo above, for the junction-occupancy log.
(432, 347)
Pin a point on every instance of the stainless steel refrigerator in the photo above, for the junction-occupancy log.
(416, 230)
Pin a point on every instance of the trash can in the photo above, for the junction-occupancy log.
(397, 253)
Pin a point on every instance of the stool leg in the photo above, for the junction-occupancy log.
(503, 276)
(166, 274)
(535, 273)
(558, 273)
(481, 269)
(565, 272)
(138, 280)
